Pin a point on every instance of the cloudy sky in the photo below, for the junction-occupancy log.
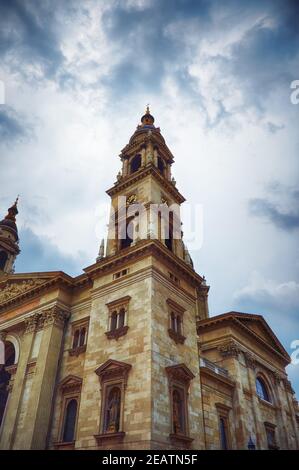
(77, 76)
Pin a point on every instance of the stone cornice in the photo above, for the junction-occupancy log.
(149, 169)
(141, 249)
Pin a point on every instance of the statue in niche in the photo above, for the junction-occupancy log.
(113, 410)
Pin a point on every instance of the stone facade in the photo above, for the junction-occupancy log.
(125, 355)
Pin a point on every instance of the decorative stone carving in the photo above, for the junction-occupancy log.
(31, 323)
(250, 360)
(3, 335)
(229, 349)
(288, 386)
(54, 316)
(277, 378)
(13, 290)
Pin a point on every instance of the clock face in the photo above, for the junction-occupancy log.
(132, 198)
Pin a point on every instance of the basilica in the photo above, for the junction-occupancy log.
(125, 355)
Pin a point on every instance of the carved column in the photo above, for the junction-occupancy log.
(16, 392)
(40, 401)
(230, 352)
(251, 366)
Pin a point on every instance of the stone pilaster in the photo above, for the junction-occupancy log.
(281, 415)
(40, 402)
(230, 352)
(15, 397)
(251, 366)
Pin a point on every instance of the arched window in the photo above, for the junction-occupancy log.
(135, 163)
(112, 410)
(160, 165)
(70, 421)
(10, 355)
(172, 321)
(262, 390)
(76, 339)
(3, 259)
(127, 240)
(223, 433)
(178, 415)
(82, 336)
(113, 321)
(169, 233)
(179, 324)
(121, 319)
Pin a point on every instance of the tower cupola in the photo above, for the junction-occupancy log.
(9, 240)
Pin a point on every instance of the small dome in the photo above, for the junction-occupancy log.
(10, 218)
(147, 119)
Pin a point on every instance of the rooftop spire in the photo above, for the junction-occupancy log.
(147, 119)
(13, 211)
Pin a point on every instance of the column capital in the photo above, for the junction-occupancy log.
(54, 316)
(3, 335)
(229, 349)
(278, 378)
(288, 386)
(250, 361)
(31, 323)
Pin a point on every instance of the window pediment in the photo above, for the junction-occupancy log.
(70, 383)
(112, 369)
(180, 373)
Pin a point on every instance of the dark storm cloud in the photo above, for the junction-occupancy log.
(28, 35)
(261, 60)
(285, 220)
(12, 126)
(40, 254)
(149, 52)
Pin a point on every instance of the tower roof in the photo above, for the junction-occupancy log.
(10, 218)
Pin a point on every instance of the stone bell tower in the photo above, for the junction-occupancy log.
(9, 240)
(145, 200)
(161, 297)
